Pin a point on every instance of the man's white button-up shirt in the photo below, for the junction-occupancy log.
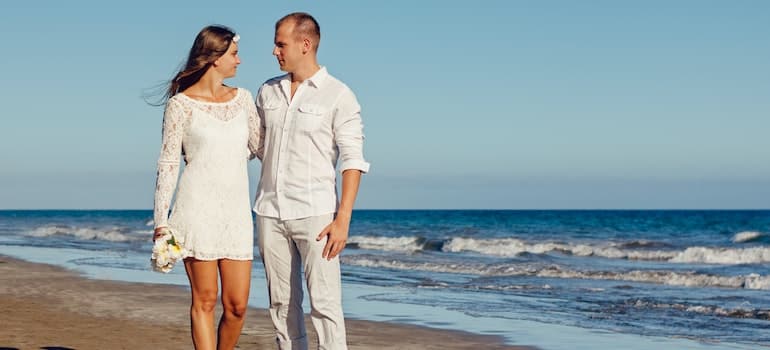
(304, 137)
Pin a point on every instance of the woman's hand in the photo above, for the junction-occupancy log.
(159, 231)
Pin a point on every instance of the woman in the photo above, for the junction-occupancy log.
(216, 128)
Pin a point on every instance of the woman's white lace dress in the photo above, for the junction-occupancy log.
(211, 215)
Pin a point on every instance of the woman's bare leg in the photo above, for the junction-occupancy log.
(203, 282)
(236, 280)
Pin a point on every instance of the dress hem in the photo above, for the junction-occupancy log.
(219, 257)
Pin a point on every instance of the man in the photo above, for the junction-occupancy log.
(309, 121)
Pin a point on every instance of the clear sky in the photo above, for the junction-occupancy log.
(466, 104)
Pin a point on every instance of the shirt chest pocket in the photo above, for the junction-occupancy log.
(310, 117)
(274, 113)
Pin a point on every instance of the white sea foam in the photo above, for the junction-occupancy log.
(726, 256)
(739, 312)
(508, 247)
(513, 247)
(511, 287)
(471, 269)
(403, 244)
(685, 279)
(112, 234)
(747, 236)
(674, 278)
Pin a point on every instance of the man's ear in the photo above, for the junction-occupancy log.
(307, 45)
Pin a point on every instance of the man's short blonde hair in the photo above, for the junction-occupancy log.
(304, 26)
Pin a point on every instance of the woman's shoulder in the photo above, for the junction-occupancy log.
(244, 93)
(242, 90)
(175, 101)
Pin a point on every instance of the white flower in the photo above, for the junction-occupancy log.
(175, 252)
(166, 252)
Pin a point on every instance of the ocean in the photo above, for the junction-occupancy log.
(556, 279)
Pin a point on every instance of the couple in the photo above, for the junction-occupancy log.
(299, 126)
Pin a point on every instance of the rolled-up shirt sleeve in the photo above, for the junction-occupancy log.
(349, 133)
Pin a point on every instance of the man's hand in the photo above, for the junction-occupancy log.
(337, 233)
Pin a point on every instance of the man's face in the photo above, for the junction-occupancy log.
(288, 49)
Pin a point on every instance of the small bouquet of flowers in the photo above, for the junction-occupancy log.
(166, 252)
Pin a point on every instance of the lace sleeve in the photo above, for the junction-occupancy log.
(168, 162)
(256, 131)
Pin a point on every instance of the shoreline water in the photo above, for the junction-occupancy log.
(39, 280)
(49, 306)
(552, 279)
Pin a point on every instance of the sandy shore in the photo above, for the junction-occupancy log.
(47, 307)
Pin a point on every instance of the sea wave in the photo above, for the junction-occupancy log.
(509, 247)
(748, 236)
(667, 277)
(709, 310)
(402, 244)
(706, 255)
(512, 247)
(112, 234)
(724, 256)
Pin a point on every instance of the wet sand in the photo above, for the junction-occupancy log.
(47, 307)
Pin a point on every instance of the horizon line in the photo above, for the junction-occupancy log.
(438, 209)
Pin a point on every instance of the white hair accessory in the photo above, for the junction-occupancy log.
(236, 38)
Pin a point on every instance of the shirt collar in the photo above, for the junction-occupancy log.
(316, 80)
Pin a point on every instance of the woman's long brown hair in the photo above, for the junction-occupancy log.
(211, 43)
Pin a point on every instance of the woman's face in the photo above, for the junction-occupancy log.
(228, 63)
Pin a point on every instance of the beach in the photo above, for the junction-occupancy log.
(45, 306)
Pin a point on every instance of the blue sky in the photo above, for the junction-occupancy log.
(490, 104)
